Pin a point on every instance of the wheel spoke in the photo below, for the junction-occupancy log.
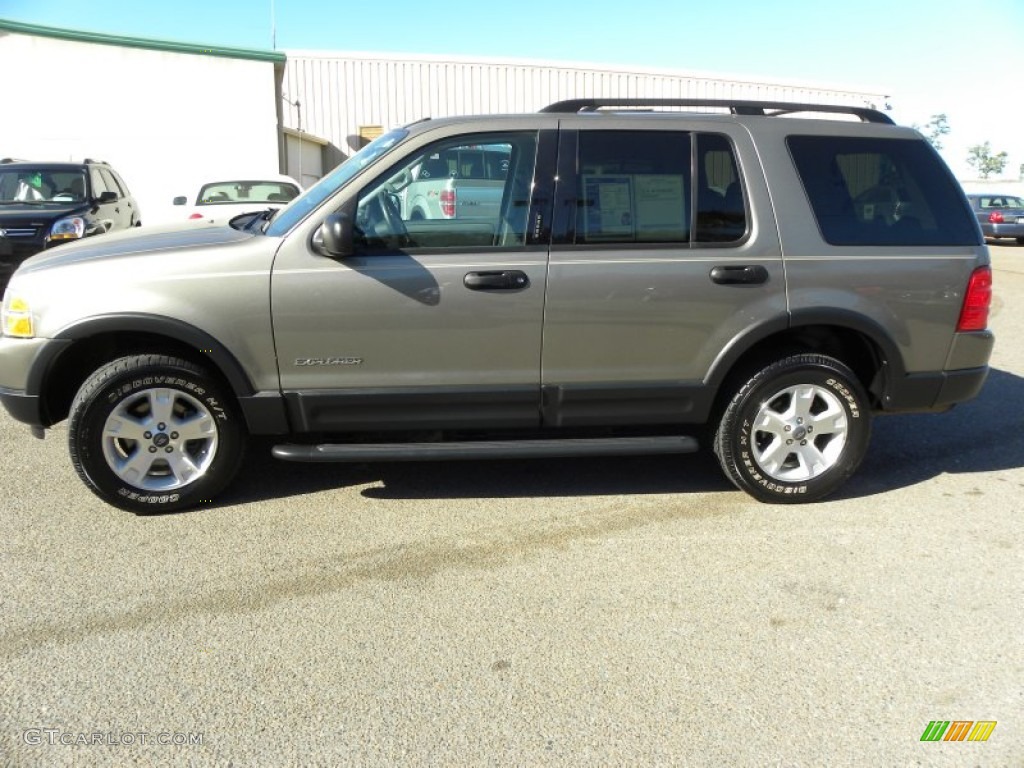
(774, 455)
(161, 405)
(812, 461)
(803, 401)
(182, 466)
(772, 422)
(830, 421)
(199, 427)
(135, 468)
(122, 427)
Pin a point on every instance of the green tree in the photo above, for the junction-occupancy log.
(934, 129)
(981, 158)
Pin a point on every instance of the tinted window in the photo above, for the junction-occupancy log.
(633, 187)
(463, 192)
(721, 216)
(881, 192)
(637, 187)
(98, 185)
(111, 182)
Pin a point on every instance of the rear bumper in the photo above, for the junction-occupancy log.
(1003, 230)
(963, 378)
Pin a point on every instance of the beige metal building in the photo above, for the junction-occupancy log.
(341, 100)
(169, 114)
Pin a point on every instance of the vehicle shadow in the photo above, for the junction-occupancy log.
(984, 435)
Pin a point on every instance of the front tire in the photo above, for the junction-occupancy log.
(795, 431)
(150, 433)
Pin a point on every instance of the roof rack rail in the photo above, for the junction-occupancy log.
(12, 160)
(95, 162)
(760, 108)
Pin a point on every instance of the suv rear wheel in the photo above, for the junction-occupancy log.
(795, 430)
(150, 433)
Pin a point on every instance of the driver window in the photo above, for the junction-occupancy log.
(467, 192)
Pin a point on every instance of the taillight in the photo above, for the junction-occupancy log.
(974, 315)
(448, 203)
(996, 217)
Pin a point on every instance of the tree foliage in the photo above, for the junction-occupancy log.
(934, 129)
(981, 158)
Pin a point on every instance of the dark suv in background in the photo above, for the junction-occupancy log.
(46, 204)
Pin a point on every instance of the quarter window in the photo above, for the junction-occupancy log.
(866, 191)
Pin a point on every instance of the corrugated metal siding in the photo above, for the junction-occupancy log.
(339, 93)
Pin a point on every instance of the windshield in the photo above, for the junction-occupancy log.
(27, 185)
(247, 191)
(329, 184)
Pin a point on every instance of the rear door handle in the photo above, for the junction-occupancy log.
(749, 274)
(506, 280)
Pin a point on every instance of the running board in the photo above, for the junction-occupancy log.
(485, 449)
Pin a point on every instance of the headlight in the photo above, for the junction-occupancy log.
(17, 318)
(71, 228)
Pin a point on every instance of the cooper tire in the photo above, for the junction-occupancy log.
(150, 433)
(794, 431)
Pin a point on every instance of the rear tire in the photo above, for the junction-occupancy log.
(150, 433)
(794, 431)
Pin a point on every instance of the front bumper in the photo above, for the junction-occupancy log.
(23, 364)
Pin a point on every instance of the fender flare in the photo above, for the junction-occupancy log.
(129, 322)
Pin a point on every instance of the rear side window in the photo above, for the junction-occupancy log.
(640, 187)
(867, 191)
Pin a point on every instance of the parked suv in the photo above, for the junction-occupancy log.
(650, 280)
(46, 204)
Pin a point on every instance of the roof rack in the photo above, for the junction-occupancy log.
(759, 108)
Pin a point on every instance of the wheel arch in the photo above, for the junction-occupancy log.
(859, 342)
(98, 340)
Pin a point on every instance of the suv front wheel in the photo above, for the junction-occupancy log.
(150, 433)
(796, 430)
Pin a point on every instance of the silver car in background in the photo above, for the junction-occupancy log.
(999, 215)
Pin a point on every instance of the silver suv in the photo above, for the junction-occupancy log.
(651, 279)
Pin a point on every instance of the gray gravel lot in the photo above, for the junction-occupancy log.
(570, 612)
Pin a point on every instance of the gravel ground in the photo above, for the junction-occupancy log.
(569, 612)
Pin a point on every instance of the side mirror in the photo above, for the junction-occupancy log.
(334, 237)
(107, 197)
(179, 200)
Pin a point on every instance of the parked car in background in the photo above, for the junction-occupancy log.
(999, 215)
(221, 200)
(466, 183)
(46, 204)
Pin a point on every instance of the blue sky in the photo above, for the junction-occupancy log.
(932, 56)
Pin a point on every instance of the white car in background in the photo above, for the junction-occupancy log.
(222, 200)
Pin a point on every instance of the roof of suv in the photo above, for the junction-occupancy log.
(18, 162)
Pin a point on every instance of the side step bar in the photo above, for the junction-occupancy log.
(485, 449)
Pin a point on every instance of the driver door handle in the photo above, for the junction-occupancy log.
(750, 274)
(505, 280)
